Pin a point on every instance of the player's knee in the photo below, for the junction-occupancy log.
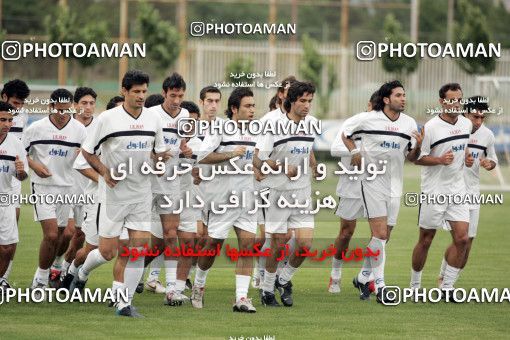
(346, 234)
(462, 241)
(306, 243)
(108, 254)
(51, 237)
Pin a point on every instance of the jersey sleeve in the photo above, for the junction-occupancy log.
(338, 148)
(491, 151)
(210, 143)
(265, 146)
(21, 153)
(159, 142)
(81, 163)
(94, 138)
(27, 138)
(425, 144)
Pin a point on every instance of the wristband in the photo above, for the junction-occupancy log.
(354, 151)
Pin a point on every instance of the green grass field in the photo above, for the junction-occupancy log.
(315, 314)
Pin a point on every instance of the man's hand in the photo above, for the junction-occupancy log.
(356, 160)
(185, 149)
(109, 180)
(292, 171)
(239, 151)
(447, 158)
(40, 170)
(195, 173)
(18, 165)
(166, 155)
(258, 174)
(487, 164)
(469, 160)
(419, 136)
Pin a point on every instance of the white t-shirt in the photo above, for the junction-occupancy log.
(54, 148)
(440, 137)
(19, 123)
(81, 182)
(124, 139)
(9, 149)
(383, 139)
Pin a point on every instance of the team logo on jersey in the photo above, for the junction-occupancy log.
(4, 168)
(248, 155)
(455, 132)
(456, 148)
(137, 145)
(170, 141)
(299, 151)
(59, 137)
(58, 152)
(390, 145)
(474, 154)
(392, 128)
(136, 127)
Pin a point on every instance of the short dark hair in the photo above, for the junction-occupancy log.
(209, 89)
(16, 88)
(174, 81)
(190, 106)
(235, 99)
(114, 101)
(153, 100)
(448, 87)
(82, 92)
(272, 103)
(385, 92)
(297, 90)
(474, 103)
(6, 107)
(134, 77)
(60, 94)
(285, 82)
(373, 98)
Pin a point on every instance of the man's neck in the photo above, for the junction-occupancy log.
(448, 118)
(135, 112)
(294, 117)
(59, 122)
(82, 119)
(3, 136)
(391, 114)
(172, 113)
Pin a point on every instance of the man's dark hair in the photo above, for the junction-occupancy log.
(82, 92)
(134, 77)
(235, 99)
(114, 101)
(272, 103)
(297, 90)
(190, 106)
(174, 81)
(153, 100)
(285, 82)
(209, 89)
(61, 95)
(6, 107)
(448, 87)
(16, 88)
(474, 103)
(373, 98)
(385, 92)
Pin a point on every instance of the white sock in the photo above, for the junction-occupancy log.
(200, 277)
(192, 271)
(41, 276)
(155, 268)
(65, 266)
(72, 269)
(94, 259)
(378, 262)
(133, 273)
(416, 279)
(336, 268)
(256, 270)
(365, 272)
(269, 279)
(170, 274)
(180, 285)
(286, 274)
(57, 263)
(451, 274)
(443, 267)
(116, 285)
(7, 271)
(242, 285)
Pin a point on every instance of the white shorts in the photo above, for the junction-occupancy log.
(113, 217)
(220, 224)
(16, 189)
(279, 220)
(433, 216)
(8, 225)
(165, 203)
(377, 204)
(43, 211)
(474, 216)
(76, 213)
(261, 212)
(350, 209)
(187, 223)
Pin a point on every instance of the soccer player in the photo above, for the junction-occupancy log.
(13, 163)
(84, 105)
(282, 148)
(127, 135)
(350, 205)
(220, 148)
(114, 101)
(444, 155)
(52, 144)
(387, 135)
(481, 147)
(14, 93)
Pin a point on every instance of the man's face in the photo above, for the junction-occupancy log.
(5, 122)
(302, 105)
(173, 99)
(397, 100)
(135, 97)
(476, 118)
(14, 101)
(246, 109)
(451, 102)
(86, 106)
(211, 104)
(61, 110)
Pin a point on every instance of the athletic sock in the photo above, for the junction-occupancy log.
(242, 285)
(94, 259)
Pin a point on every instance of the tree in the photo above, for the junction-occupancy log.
(472, 29)
(161, 38)
(239, 66)
(393, 35)
(312, 68)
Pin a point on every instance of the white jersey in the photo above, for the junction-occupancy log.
(81, 182)
(293, 148)
(186, 185)
(19, 123)
(160, 184)
(54, 148)
(441, 137)
(383, 139)
(9, 149)
(125, 140)
(347, 188)
(480, 145)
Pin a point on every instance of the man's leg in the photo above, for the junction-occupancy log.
(456, 255)
(186, 240)
(47, 251)
(170, 223)
(153, 265)
(347, 228)
(420, 252)
(244, 267)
